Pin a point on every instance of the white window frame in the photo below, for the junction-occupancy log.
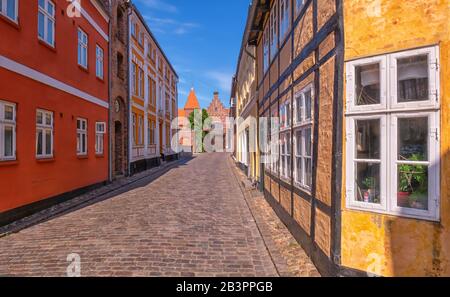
(266, 49)
(351, 84)
(83, 47)
(301, 95)
(99, 62)
(389, 115)
(285, 115)
(7, 123)
(44, 128)
(100, 131)
(47, 18)
(140, 130)
(275, 144)
(134, 75)
(433, 77)
(82, 131)
(141, 82)
(273, 31)
(285, 16)
(285, 156)
(134, 123)
(4, 10)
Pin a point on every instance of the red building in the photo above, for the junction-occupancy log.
(53, 102)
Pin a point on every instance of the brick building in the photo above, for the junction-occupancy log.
(218, 114)
(53, 102)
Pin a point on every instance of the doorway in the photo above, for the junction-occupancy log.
(118, 148)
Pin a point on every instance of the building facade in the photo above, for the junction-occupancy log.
(396, 207)
(53, 102)
(186, 139)
(356, 162)
(298, 57)
(218, 115)
(245, 95)
(153, 98)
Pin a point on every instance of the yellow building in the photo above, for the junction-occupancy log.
(247, 148)
(154, 98)
(396, 207)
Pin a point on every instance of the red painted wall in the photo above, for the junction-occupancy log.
(27, 179)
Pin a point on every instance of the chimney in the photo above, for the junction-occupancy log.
(216, 95)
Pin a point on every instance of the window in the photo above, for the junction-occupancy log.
(284, 17)
(275, 143)
(9, 8)
(285, 115)
(82, 137)
(298, 5)
(393, 150)
(151, 132)
(285, 168)
(141, 39)
(303, 140)
(7, 131)
(141, 130)
(273, 32)
(134, 79)
(99, 62)
(100, 130)
(152, 91)
(46, 22)
(44, 134)
(134, 129)
(133, 29)
(141, 82)
(82, 49)
(266, 42)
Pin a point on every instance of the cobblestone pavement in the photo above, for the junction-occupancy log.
(192, 221)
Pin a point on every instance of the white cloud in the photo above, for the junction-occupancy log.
(170, 25)
(222, 79)
(160, 5)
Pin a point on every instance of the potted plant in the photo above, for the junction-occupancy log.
(404, 185)
(369, 191)
(413, 184)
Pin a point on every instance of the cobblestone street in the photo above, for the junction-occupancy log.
(192, 221)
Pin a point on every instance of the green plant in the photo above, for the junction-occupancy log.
(369, 183)
(413, 178)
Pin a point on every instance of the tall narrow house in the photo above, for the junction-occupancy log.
(53, 102)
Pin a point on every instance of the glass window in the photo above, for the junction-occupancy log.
(46, 21)
(303, 106)
(99, 62)
(412, 78)
(9, 9)
(284, 17)
(273, 32)
(44, 134)
(7, 131)
(393, 150)
(82, 49)
(82, 137)
(266, 44)
(100, 130)
(368, 84)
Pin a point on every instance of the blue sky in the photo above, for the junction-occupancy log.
(202, 39)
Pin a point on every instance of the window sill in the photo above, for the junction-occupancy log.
(48, 46)
(82, 157)
(5, 163)
(45, 159)
(85, 69)
(14, 24)
(360, 209)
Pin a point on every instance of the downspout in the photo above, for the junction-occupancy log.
(130, 148)
(109, 94)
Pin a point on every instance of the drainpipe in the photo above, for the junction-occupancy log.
(110, 175)
(130, 147)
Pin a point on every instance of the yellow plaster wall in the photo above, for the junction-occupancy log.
(381, 244)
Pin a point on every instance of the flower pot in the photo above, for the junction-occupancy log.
(402, 199)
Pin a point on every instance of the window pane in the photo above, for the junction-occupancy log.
(412, 78)
(367, 84)
(368, 183)
(299, 170)
(83, 143)
(39, 144)
(308, 105)
(48, 119)
(11, 9)
(9, 141)
(299, 142)
(79, 143)
(48, 142)
(308, 143)
(9, 113)
(42, 4)
(308, 172)
(413, 139)
(368, 139)
(50, 9)
(41, 26)
(300, 109)
(412, 186)
(50, 31)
